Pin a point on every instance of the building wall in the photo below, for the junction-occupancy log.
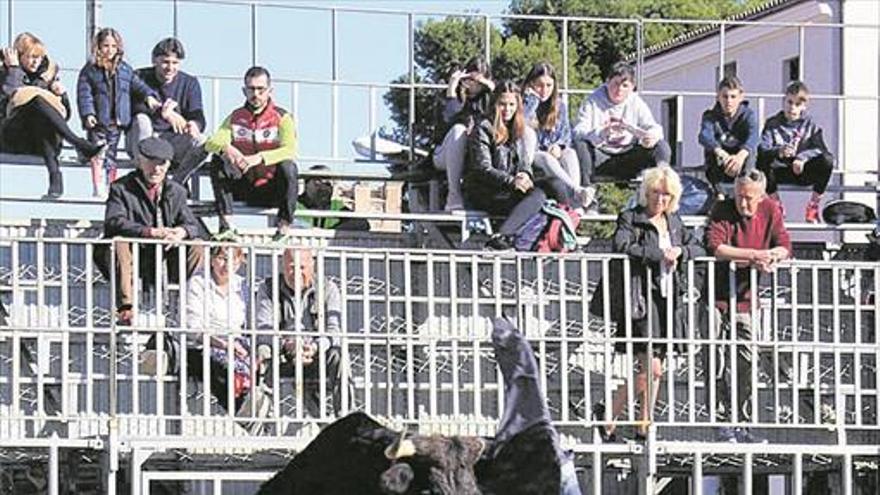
(759, 54)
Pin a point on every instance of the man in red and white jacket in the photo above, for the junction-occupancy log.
(254, 152)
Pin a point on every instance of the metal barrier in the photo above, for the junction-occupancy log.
(255, 10)
(412, 345)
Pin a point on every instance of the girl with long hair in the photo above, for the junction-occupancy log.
(498, 175)
(547, 113)
(465, 100)
(104, 92)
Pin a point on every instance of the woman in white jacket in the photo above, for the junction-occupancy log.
(216, 306)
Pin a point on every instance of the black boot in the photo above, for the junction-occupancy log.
(56, 186)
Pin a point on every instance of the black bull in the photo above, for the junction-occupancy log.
(357, 455)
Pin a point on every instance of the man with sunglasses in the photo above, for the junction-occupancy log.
(254, 151)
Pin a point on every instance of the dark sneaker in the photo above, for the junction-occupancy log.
(499, 242)
(727, 434)
(743, 435)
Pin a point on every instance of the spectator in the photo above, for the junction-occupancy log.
(729, 134)
(615, 134)
(34, 108)
(143, 204)
(300, 310)
(547, 113)
(465, 101)
(217, 304)
(318, 195)
(659, 244)
(498, 177)
(792, 150)
(748, 231)
(254, 151)
(181, 120)
(104, 93)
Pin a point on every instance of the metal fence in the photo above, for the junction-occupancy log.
(256, 10)
(413, 346)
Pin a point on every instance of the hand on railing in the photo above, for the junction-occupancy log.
(309, 350)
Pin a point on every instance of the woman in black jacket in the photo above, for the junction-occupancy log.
(34, 108)
(657, 242)
(498, 174)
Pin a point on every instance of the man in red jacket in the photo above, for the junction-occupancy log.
(254, 152)
(748, 231)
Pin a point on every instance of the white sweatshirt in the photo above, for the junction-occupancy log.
(633, 114)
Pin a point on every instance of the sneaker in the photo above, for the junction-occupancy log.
(227, 234)
(811, 215)
(743, 435)
(281, 236)
(500, 242)
(587, 197)
(727, 434)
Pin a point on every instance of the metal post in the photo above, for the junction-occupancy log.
(487, 39)
(53, 465)
(797, 478)
(640, 48)
(565, 59)
(801, 44)
(748, 459)
(9, 23)
(697, 481)
(93, 20)
(174, 18)
(372, 122)
(334, 91)
(411, 34)
(253, 34)
(847, 467)
(721, 52)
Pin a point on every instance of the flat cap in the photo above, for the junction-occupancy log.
(155, 148)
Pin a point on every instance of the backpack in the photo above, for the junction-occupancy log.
(841, 211)
(551, 229)
(696, 196)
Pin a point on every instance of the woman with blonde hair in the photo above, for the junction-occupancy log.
(658, 244)
(34, 108)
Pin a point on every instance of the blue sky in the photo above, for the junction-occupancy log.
(294, 43)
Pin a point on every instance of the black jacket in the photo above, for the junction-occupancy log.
(130, 212)
(637, 237)
(490, 168)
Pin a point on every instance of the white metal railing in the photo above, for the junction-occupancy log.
(414, 345)
(256, 8)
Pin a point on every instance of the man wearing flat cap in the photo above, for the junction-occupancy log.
(146, 205)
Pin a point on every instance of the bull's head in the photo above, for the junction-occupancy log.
(444, 465)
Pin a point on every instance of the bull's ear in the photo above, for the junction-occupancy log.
(400, 449)
(474, 447)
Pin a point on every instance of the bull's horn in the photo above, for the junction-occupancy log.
(400, 449)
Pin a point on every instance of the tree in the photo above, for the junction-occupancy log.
(444, 45)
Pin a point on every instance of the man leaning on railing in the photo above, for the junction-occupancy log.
(298, 310)
(145, 204)
(749, 231)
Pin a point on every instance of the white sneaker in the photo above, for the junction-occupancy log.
(587, 196)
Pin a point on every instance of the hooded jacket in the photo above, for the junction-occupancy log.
(779, 132)
(740, 131)
(597, 110)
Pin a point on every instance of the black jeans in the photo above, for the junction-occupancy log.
(715, 173)
(816, 173)
(37, 127)
(281, 190)
(621, 167)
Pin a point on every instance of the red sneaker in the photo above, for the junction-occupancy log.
(811, 215)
